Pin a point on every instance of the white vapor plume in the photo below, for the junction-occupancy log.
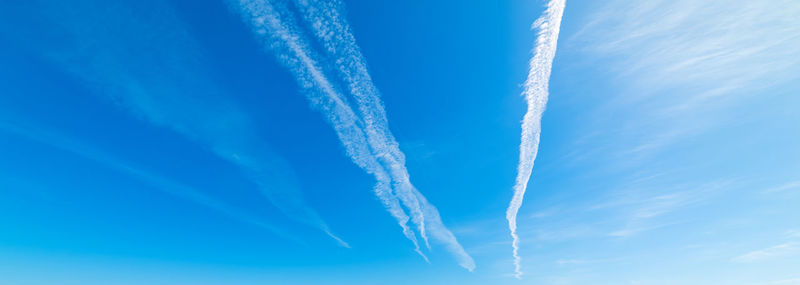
(536, 91)
(334, 33)
(365, 136)
(332, 29)
(268, 23)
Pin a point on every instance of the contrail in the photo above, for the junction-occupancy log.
(331, 28)
(334, 33)
(366, 138)
(535, 93)
(279, 33)
(168, 186)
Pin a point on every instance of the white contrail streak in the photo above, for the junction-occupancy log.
(334, 33)
(332, 29)
(276, 33)
(366, 138)
(535, 93)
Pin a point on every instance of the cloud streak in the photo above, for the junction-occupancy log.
(785, 187)
(785, 249)
(536, 91)
(710, 48)
(333, 31)
(364, 132)
(168, 186)
(114, 55)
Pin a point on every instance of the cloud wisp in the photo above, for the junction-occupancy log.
(115, 56)
(710, 48)
(784, 187)
(364, 133)
(683, 67)
(785, 249)
(332, 30)
(171, 187)
(536, 91)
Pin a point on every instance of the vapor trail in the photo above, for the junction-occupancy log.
(334, 34)
(331, 28)
(365, 135)
(535, 93)
(277, 29)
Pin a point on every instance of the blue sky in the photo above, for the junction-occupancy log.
(315, 142)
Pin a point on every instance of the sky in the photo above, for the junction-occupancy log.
(393, 142)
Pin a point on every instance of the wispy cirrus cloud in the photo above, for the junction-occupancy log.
(536, 92)
(66, 143)
(793, 185)
(793, 281)
(791, 247)
(684, 66)
(793, 233)
(714, 48)
(333, 31)
(150, 66)
(364, 131)
(784, 249)
(329, 25)
(634, 209)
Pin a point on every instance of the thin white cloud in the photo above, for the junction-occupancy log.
(332, 29)
(785, 249)
(631, 231)
(536, 91)
(784, 187)
(171, 187)
(334, 33)
(641, 213)
(718, 46)
(682, 66)
(583, 261)
(365, 135)
(793, 281)
(115, 56)
(293, 51)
